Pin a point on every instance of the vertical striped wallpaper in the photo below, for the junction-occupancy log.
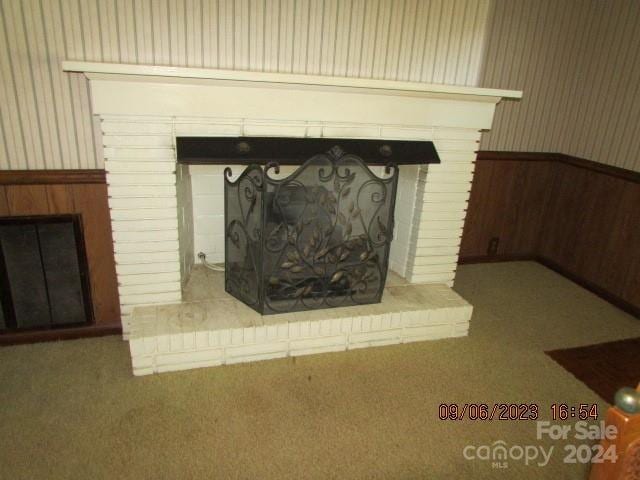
(578, 62)
(45, 117)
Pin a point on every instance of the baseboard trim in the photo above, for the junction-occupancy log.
(51, 177)
(551, 265)
(496, 259)
(622, 173)
(35, 336)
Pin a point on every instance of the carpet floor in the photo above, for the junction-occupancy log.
(73, 410)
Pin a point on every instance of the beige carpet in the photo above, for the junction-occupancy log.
(73, 409)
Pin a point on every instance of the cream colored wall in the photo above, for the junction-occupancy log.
(45, 117)
(578, 62)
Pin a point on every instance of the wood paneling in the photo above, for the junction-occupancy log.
(575, 216)
(578, 63)
(45, 114)
(507, 202)
(39, 196)
(91, 202)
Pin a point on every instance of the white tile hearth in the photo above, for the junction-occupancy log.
(211, 328)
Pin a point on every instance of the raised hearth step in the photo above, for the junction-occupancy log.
(225, 331)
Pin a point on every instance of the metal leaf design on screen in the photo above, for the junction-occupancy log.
(326, 231)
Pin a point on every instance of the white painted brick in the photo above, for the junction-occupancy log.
(426, 332)
(132, 191)
(146, 127)
(461, 329)
(401, 133)
(449, 177)
(372, 131)
(356, 324)
(224, 337)
(142, 362)
(139, 372)
(429, 251)
(257, 349)
(431, 224)
(447, 145)
(260, 334)
(146, 236)
(133, 167)
(176, 342)
(237, 336)
(146, 298)
(437, 268)
(429, 188)
(314, 131)
(255, 358)
(144, 225)
(460, 198)
(144, 214)
(189, 340)
(432, 278)
(166, 154)
(209, 130)
(319, 349)
(346, 325)
(438, 242)
(168, 359)
(321, 342)
(380, 337)
(137, 179)
(142, 202)
(148, 288)
(144, 268)
(150, 345)
(275, 130)
(456, 133)
(164, 343)
(116, 141)
(136, 347)
(150, 257)
(144, 247)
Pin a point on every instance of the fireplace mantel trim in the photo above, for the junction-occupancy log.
(195, 74)
(121, 89)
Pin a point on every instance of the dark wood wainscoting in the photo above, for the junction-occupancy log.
(578, 217)
(81, 192)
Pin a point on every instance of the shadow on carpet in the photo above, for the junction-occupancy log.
(604, 367)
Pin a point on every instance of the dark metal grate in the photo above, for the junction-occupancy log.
(317, 239)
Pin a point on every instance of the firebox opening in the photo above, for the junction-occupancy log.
(316, 247)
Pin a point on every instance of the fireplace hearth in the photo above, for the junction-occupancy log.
(318, 238)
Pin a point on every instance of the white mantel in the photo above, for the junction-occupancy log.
(144, 108)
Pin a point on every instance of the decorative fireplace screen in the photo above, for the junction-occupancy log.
(317, 239)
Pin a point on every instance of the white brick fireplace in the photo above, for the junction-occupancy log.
(163, 213)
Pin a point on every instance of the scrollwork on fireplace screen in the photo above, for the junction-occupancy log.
(318, 238)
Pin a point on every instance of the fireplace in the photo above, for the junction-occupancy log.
(159, 227)
(318, 238)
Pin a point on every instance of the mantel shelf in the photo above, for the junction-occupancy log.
(200, 74)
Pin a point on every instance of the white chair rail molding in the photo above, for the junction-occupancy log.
(175, 313)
